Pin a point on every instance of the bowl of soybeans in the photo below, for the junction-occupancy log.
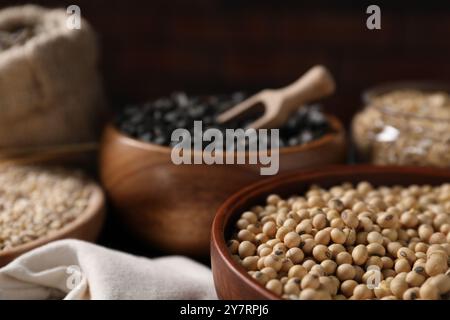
(339, 233)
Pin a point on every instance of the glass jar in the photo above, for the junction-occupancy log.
(404, 124)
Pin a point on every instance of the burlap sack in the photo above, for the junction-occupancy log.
(50, 89)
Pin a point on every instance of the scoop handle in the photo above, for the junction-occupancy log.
(316, 83)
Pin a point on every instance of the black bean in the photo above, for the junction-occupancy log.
(155, 121)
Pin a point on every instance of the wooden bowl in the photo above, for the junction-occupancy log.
(172, 206)
(85, 227)
(231, 279)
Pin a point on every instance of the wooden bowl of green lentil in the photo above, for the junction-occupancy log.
(231, 279)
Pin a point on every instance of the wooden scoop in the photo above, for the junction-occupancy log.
(280, 103)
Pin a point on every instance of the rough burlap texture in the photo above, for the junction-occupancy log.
(50, 88)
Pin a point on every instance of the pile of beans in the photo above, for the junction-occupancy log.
(36, 201)
(15, 37)
(405, 127)
(155, 121)
(335, 243)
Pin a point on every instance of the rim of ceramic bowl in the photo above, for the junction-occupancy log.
(227, 211)
(336, 131)
(371, 93)
(95, 207)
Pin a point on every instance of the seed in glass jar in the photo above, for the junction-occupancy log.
(321, 252)
(345, 272)
(246, 248)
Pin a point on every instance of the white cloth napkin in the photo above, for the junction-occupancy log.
(73, 269)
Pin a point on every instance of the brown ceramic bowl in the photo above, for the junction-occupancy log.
(86, 227)
(171, 207)
(230, 278)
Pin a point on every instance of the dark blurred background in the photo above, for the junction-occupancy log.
(151, 48)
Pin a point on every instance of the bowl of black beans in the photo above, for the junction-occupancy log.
(171, 206)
